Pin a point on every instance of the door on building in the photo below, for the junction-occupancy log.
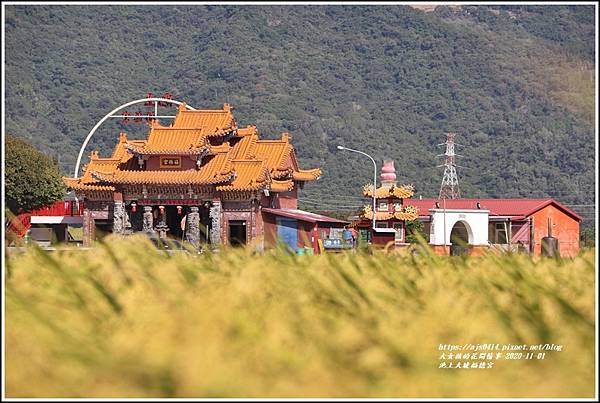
(237, 232)
(399, 236)
(459, 238)
(287, 231)
(173, 220)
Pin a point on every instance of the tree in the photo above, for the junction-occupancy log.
(588, 238)
(32, 180)
(414, 230)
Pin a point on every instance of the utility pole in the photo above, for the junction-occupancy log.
(449, 188)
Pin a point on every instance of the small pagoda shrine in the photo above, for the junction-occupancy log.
(201, 179)
(392, 210)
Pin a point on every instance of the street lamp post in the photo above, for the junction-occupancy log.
(374, 176)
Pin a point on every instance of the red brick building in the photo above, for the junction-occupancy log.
(517, 221)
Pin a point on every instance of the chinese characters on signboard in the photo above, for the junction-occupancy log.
(170, 162)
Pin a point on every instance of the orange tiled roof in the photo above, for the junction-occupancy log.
(249, 175)
(75, 184)
(190, 176)
(383, 192)
(282, 185)
(408, 213)
(243, 162)
(247, 131)
(245, 148)
(217, 170)
(307, 174)
(210, 121)
(277, 154)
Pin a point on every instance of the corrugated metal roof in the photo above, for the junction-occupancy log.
(302, 215)
(497, 207)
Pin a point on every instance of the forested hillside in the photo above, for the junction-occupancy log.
(516, 83)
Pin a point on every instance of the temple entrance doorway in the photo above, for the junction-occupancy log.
(459, 238)
(237, 232)
(174, 219)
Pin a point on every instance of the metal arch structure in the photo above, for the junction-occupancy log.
(112, 115)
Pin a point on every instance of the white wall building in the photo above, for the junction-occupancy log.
(469, 225)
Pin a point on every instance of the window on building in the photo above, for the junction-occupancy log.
(383, 205)
(382, 224)
(500, 233)
(397, 206)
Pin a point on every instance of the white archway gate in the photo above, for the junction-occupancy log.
(112, 114)
(443, 220)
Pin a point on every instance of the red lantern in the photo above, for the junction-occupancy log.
(134, 207)
(125, 117)
(149, 103)
(179, 208)
(138, 118)
(167, 95)
(149, 118)
(162, 209)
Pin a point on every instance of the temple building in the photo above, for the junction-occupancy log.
(202, 179)
(392, 210)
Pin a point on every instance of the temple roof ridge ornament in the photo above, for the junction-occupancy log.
(388, 173)
(389, 190)
(407, 213)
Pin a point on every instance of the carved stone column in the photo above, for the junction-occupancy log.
(127, 227)
(118, 221)
(192, 230)
(215, 216)
(148, 220)
(162, 226)
(88, 228)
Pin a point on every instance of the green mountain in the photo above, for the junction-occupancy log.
(516, 83)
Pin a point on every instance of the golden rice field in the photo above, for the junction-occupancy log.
(126, 320)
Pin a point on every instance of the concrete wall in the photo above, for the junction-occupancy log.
(270, 228)
(564, 227)
(286, 199)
